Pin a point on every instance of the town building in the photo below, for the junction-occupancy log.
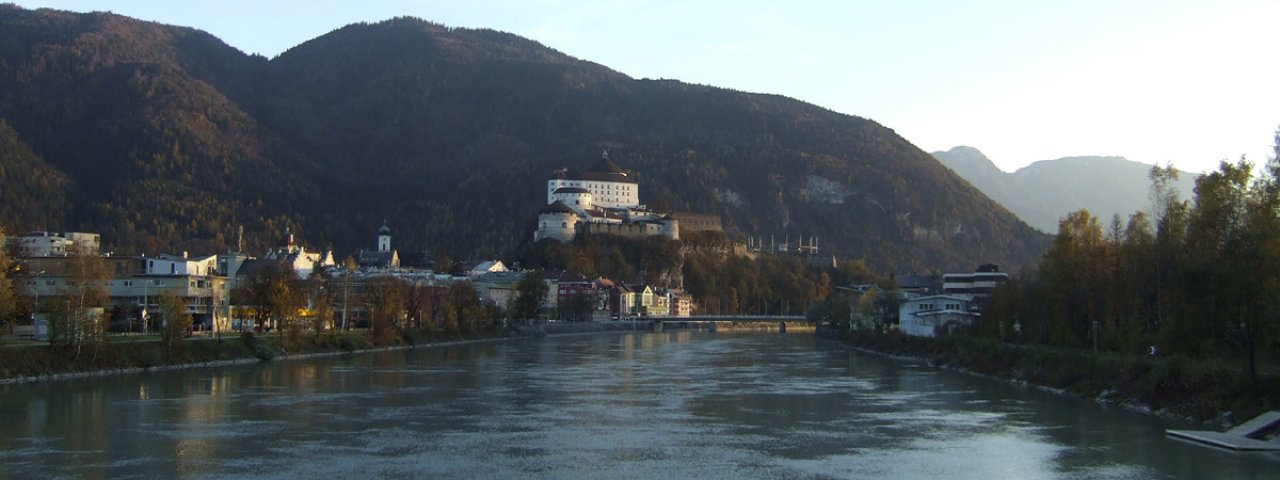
(936, 315)
(981, 283)
(383, 257)
(602, 200)
(135, 286)
(53, 244)
(296, 256)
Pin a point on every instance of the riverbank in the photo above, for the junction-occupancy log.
(1200, 391)
(41, 362)
(20, 364)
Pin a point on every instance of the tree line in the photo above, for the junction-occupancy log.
(1194, 277)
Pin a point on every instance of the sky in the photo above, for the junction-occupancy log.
(1190, 83)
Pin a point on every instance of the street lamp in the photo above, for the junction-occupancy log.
(145, 302)
(35, 302)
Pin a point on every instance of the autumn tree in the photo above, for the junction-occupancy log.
(271, 291)
(1076, 276)
(177, 322)
(8, 299)
(384, 299)
(76, 313)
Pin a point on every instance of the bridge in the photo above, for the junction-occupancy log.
(703, 323)
(723, 323)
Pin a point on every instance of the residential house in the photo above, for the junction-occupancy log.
(53, 244)
(935, 315)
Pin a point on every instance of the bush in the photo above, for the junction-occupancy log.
(257, 347)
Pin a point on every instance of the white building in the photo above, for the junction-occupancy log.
(297, 256)
(935, 315)
(979, 284)
(602, 200)
(54, 244)
(180, 265)
(607, 184)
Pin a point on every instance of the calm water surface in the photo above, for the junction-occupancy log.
(667, 405)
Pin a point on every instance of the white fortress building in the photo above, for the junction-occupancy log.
(600, 200)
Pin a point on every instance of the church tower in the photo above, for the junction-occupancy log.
(384, 239)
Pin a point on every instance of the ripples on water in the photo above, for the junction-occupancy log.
(671, 405)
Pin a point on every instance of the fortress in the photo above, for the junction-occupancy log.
(602, 199)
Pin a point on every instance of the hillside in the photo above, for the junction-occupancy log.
(1043, 192)
(169, 139)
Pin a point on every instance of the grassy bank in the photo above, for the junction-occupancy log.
(1205, 391)
(132, 353)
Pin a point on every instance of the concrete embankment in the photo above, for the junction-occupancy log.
(572, 328)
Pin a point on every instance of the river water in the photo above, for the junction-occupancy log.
(666, 405)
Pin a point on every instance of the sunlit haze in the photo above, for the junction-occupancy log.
(1191, 83)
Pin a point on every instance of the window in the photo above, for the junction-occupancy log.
(564, 225)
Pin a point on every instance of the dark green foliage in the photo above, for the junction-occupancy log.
(1203, 390)
(164, 138)
(531, 291)
(1197, 279)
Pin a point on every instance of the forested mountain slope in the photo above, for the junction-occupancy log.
(169, 139)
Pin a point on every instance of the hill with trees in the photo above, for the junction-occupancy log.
(164, 138)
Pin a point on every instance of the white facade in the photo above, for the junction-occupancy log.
(302, 261)
(932, 315)
(556, 225)
(54, 244)
(981, 283)
(384, 239)
(601, 201)
(175, 265)
(604, 193)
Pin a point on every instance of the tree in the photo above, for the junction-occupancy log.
(8, 300)
(384, 299)
(577, 306)
(1170, 218)
(77, 311)
(531, 292)
(1075, 271)
(271, 293)
(319, 293)
(177, 322)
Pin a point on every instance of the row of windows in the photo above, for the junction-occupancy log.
(591, 186)
(931, 306)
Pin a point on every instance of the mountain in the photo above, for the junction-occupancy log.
(1046, 191)
(169, 139)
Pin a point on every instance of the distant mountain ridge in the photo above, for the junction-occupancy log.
(1045, 191)
(164, 138)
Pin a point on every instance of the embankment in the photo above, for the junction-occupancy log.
(42, 362)
(1203, 391)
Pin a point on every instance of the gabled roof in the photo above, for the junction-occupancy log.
(373, 258)
(604, 165)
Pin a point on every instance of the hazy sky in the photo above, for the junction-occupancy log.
(1188, 82)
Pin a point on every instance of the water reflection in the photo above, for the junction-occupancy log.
(637, 405)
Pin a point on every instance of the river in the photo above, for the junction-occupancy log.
(666, 405)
